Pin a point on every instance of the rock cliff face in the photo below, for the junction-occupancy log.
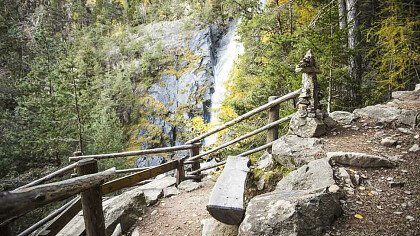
(182, 89)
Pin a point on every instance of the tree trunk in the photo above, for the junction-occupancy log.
(355, 60)
(342, 12)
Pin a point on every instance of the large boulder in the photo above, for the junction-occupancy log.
(124, 209)
(290, 213)
(386, 114)
(362, 160)
(342, 117)
(316, 174)
(294, 151)
(212, 227)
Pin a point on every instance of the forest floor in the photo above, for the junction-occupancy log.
(385, 210)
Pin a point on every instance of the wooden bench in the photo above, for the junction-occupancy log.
(226, 203)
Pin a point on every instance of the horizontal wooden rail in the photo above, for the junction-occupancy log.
(136, 153)
(207, 167)
(257, 131)
(246, 115)
(57, 224)
(55, 213)
(133, 179)
(18, 202)
(258, 149)
(50, 176)
(131, 170)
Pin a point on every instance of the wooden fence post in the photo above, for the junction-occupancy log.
(273, 115)
(196, 164)
(180, 172)
(92, 201)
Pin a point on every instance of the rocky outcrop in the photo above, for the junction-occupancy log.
(342, 117)
(124, 209)
(362, 160)
(212, 227)
(401, 111)
(314, 175)
(294, 151)
(290, 213)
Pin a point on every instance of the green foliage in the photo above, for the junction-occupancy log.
(395, 54)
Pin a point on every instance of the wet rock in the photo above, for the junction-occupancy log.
(342, 117)
(294, 151)
(189, 185)
(388, 142)
(362, 160)
(212, 227)
(290, 213)
(314, 175)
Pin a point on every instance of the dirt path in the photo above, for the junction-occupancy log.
(386, 210)
(179, 215)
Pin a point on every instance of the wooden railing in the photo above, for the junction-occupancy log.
(91, 184)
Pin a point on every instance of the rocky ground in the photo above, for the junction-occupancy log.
(178, 215)
(387, 200)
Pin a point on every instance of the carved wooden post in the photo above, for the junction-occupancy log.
(180, 172)
(273, 115)
(309, 121)
(92, 201)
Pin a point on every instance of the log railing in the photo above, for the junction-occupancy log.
(90, 183)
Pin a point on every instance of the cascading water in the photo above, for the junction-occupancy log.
(229, 50)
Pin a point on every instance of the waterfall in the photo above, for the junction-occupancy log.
(228, 51)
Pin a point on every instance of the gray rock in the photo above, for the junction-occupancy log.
(170, 191)
(417, 87)
(414, 148)
(124, 209)
(388, 142)
(359, 160)
(386, 114)
(212, 227)
(290, 213)
(189, 185)
(265, 162)
(314, 175)
(152, 195)
(345, 177)
(154, 190)
(293, 151)
(342, 117)
(307, 127)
